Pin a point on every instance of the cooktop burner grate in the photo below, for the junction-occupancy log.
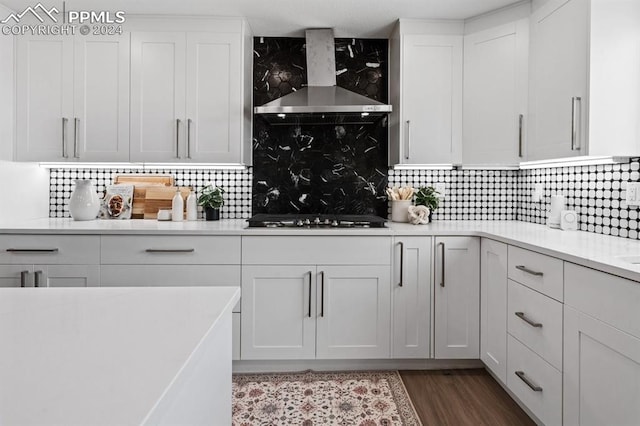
(313, 221)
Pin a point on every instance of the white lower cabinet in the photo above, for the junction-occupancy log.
(278, 315)
(15, 276)
(535, 382)
(309, 311)
(354, 315)
(457, 297)
(601, 348)
(411, 284)
(493, 307)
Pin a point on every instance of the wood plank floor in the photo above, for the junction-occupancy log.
(461, 397)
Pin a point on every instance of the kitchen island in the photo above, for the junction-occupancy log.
(116, 355)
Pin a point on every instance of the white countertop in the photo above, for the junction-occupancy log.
(99, 355)
(589, 249)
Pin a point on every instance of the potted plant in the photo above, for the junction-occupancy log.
(428, 196)
(211, 199)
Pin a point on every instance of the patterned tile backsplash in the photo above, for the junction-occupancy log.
(236, 183)
(596, 192)
(469, 194)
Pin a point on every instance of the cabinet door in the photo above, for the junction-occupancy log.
(601, 373)
(44, 98)
(493, 307)
(214, 97)
(101, 95)
(16, 276)
(457, 297)
(278, 312)
(157, 96)
(353, 312)
(411, 283)
(559, 61)
(431, 110)
(495, 94)
(67, 275)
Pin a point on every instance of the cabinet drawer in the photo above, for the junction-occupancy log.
(545, 401)
(610, 299)
(170, 275)
(50, 249)
(536, 320)
(537, 271)
(327, 250)
(163, 250)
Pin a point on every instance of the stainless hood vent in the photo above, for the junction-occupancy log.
(322, 99)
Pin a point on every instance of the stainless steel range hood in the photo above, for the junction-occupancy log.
(322, 101)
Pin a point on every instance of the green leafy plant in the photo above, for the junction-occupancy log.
(427, 196)
(211, 197)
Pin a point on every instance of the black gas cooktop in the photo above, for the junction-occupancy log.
(314, 221)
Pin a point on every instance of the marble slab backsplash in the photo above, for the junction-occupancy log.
(330, 168)
(236, 183)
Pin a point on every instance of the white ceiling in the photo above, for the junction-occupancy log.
(349, 18)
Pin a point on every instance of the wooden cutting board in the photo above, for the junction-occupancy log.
(157, 198)
(140, 185)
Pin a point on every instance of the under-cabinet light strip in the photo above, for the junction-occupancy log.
(145, 166)
(572, 162)
(423, 167)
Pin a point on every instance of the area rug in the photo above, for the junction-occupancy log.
(367, 398)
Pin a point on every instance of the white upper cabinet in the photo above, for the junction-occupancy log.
(157, 96)
(585, 59)
(495, 94)
(72, 98)
(426, 123)
(191, 94)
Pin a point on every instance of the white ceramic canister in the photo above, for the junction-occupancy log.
(177, 207)
(400, 210)
(192, 206)
(84, 203)
(557, 205)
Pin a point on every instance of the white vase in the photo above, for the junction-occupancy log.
(84, 203)
(400, 210)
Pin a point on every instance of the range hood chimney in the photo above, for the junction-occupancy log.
(322, 102)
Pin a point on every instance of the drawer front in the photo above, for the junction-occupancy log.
(537, 271)
(164, 250)
(50, 249)
(329, 250)
(170, 276)
(610, 299)
(536, 320)
(545, 402)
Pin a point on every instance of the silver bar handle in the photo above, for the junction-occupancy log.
(178, 138)
(29, 250)
(442, 263)
(322, 294)
(310, 274)
(575, 122)
(520, 120)
(408, 153)
(65, 154)
(37, 278)
(534, 387)
(151, 250)
(529, 271)
(401, 244)
(76, 134)
(524, 318)
(23, 278)
(189, 121)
